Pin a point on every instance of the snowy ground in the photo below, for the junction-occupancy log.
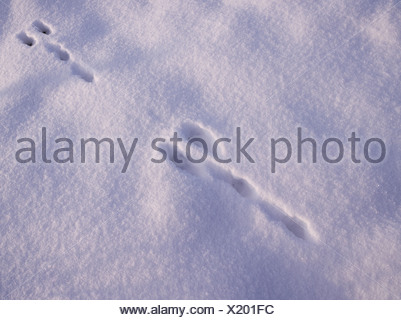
(144, 69)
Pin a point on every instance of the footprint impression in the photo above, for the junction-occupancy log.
(57, 49)
(241, 185)
(25, 39)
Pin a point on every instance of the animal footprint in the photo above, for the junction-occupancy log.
(193, 130)
(60, 53)
(41, 27)
(82, 72)
(190, 130)
(244, 187)
(25, 39)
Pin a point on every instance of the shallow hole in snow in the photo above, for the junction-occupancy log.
(25, 39)
(41, 27)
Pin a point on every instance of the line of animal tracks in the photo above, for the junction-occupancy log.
(40, 29)
(241, 185)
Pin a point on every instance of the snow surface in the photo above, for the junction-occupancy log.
(144, 69)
